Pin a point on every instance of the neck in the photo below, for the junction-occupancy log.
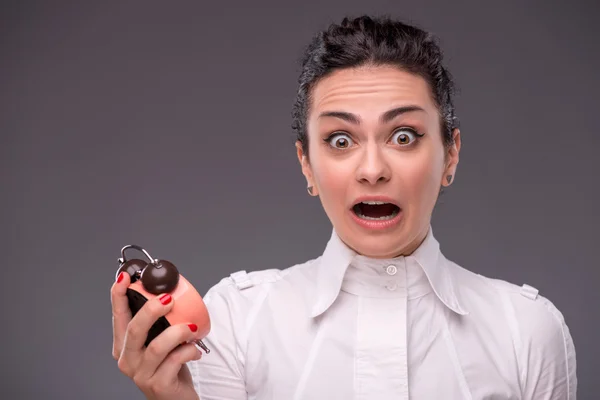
(413, 244)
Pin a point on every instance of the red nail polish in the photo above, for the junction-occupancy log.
(193, 327)
(120, 278)
(165, 298)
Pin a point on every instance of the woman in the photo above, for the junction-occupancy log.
(381, 314)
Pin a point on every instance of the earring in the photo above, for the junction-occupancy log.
(310, 190)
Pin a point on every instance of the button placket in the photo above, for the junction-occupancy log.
(391, 285)
(391, 270)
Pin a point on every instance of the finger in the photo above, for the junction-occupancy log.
(158, 350)
(121, 314)
(142, 321)
(167, 373)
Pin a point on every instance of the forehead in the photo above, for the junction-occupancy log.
(372, 88)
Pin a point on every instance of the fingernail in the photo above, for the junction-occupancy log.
(165, 298)
(120, 277)
(193, 327)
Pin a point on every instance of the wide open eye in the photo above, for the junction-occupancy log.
(405, 136)
(340, 141)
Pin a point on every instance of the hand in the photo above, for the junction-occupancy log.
(158, 370)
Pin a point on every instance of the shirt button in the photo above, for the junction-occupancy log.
(391, 270)
(391, 286)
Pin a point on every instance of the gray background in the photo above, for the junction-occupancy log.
(167, 124)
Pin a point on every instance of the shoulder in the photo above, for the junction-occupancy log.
(541, 336)
(547, 355)
(539, 320)
(247, 289)
(525, 300)
(542, 327)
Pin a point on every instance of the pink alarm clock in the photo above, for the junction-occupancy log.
(155, 277)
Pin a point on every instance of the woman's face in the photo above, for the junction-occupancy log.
(374, 135)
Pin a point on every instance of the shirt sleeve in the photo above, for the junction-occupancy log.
(219, 375)
(548, 360)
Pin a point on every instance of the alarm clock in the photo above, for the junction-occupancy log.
(151, 278)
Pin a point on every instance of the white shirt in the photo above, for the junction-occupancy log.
(344, 326)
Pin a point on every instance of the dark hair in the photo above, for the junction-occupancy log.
(374, 41)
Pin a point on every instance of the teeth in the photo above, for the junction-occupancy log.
(384, 218)
(373, 203)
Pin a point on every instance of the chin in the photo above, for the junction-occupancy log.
(379, 252)
(375, 246)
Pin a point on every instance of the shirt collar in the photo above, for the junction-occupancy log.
(337, 256)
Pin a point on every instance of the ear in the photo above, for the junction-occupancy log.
(306, 168)
(452, 159)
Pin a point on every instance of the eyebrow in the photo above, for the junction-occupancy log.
(384, 118)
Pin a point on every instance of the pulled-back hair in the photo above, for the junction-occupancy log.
(375, 41)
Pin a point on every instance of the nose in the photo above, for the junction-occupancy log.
(373, 166)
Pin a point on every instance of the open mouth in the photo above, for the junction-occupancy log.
(376, 210)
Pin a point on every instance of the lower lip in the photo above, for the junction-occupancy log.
(374, 224)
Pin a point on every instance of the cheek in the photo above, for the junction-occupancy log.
(332, 179)
(423, 182)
